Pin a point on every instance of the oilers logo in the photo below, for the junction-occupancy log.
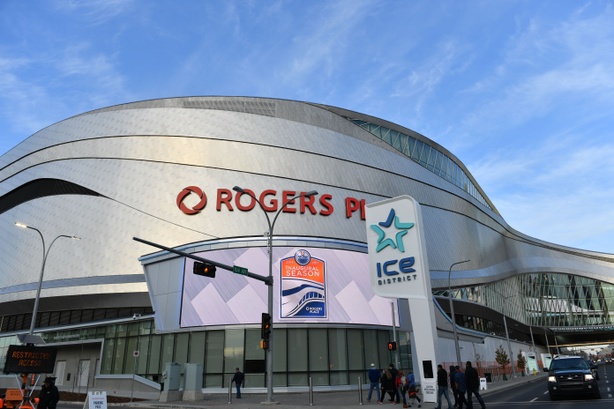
(302, 257)
(303, 290)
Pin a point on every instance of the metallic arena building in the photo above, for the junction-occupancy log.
(164, 170)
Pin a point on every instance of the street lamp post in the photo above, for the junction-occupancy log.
(507, 334)
(509, 344)
(42, 274)
(452, 316)
(271, 226)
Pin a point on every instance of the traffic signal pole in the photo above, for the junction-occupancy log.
(235, 269)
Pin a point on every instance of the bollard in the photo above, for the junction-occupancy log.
(229, 391)
(310, 392)
(359, 391)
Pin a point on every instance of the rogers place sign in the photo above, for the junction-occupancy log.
(272, 200)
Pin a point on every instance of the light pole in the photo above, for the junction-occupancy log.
(507, 334)
(458, 356)
(509, 344)
(271, 225)
(40, 279)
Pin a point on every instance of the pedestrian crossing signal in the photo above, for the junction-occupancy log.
(392, 346)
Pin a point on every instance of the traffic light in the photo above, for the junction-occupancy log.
(392, 346)
(204, 269)
(265, 326)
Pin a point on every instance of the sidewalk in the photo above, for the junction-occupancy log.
(298, 400)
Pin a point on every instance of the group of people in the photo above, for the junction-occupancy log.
(463, 385)
(399, 385)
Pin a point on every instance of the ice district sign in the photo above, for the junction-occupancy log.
(397, 257)
(399, 269)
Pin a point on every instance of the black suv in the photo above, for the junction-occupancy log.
(571, 375)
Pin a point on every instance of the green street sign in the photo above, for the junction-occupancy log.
(239, 270)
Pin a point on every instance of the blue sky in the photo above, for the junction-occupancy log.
(521, 91)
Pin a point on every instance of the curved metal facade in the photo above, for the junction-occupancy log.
(115, 173)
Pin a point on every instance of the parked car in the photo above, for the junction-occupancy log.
(571, 376)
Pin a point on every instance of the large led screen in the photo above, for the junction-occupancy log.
(311, 285)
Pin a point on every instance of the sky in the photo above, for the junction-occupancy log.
(521, 91)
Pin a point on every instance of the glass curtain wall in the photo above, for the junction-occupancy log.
(330, 356)
(547, 300)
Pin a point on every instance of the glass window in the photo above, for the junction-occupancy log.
(214, 352)
(120, 353)
(130, 361)
(233, 350)
(252, 344)
(143, 348)
(297, 349)
(145, 327)
(371, 349)
(87, 316)
(318, 356)
(280, 352)
(107, 353)
(337, 349)
(168, 346)
(424, 155)
(181, 347)
(133, 329)
(355, 348)
(154, 355)
(418, 151)
(197, 348)
(396, 140)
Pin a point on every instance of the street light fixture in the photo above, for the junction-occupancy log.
(452, 316)
(40, 279)
(271, 225)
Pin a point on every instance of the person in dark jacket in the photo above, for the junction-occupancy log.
(442, 386)
(238, 379)
(453, 385)
(387, 382)
(394, 396)
(461, 386)
(473, 385)
(374, 376)
(49, 395)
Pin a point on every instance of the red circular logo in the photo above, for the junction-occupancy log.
(185, 193)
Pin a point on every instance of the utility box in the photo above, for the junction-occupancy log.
(172, 382)
(193, 385)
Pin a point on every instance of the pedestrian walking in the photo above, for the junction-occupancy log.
(412, 389)
(442, 386)
(238, 379)
(394, 372)
(374, 375)
(453, 385)
(387, 382)
(461, 386)
(473, 385)
(401, 387)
